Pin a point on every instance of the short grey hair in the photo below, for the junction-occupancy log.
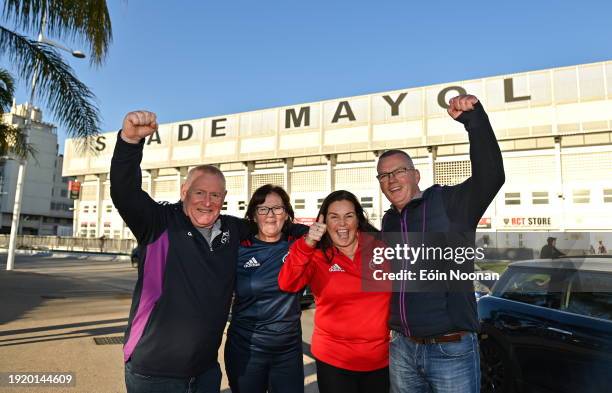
(394, 152)
(210, 169)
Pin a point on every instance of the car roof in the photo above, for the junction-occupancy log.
(597, 264)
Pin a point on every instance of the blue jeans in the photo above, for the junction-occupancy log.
(207, 382)
(439, 368)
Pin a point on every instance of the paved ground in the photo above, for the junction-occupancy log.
(51, 308)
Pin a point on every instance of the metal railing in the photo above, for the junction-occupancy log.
(57, 243)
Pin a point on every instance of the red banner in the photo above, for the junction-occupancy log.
(74, 188)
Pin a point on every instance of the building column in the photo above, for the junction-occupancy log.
(331, 176)
(559, 186)
(381, 196)
(179, 180)
(248, 182)
(287, 167)
(432, 155)
(153, 174)
(182, 173)
(99, 200)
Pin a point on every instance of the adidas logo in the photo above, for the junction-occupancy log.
(336, 268)
(251, 263)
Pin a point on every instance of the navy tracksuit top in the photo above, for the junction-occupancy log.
(263, 317)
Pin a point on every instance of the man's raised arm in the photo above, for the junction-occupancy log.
(472, 197)
(134, 205)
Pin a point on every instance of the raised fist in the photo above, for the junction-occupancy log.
(316, 232)
(463, 103)
(138, 125)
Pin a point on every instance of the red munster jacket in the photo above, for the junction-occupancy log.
(350, 327)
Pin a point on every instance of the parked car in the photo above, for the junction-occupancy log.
(547, 327)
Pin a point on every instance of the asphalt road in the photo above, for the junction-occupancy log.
(52, 308)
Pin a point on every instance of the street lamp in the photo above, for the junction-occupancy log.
(10, 260)
(76, 53)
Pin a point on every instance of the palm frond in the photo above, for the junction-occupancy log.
(7, 90)
(84, 21)
(69, 99)
(13, 141)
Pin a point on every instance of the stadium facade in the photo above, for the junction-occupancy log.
(553, 126)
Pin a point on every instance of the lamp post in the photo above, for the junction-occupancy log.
(10, 261)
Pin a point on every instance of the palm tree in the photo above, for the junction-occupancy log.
(72, 103)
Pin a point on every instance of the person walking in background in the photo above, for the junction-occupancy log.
(549, 250)
(601, 248)
(350, 341)
(263, 351)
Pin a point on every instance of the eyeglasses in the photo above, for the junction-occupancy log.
(199, 195)
(264, 210)
(399, 172)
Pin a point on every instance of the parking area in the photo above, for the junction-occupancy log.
(64, 314)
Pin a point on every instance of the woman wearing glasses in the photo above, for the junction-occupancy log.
(351, 339)
(263, 351)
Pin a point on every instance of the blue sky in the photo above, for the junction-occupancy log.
(193, 59)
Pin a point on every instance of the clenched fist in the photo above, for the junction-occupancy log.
(316, 232)
(138, 125)
(463, 103)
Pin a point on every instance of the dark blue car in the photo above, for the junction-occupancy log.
(547, 327)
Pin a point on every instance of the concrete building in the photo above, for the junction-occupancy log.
(46, 208)
(554, 128)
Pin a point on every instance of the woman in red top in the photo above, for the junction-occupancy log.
(351, 339)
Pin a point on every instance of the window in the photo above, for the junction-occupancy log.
(607, 195)
(85, 209)
(452, 172)
(224, 208)
(94, 208)
(92, 233)
(109, 208)
(539, 198)
(241, 205)
(513, 198)
(591, 295)
(320, 202)
(299, 204)
(83, 233)
(581, 196)
(64, 193)
(367, 202)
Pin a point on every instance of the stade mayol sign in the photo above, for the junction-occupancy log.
(301, 116)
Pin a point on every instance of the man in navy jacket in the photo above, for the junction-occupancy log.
(434, 346)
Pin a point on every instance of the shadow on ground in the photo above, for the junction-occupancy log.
(75, 330)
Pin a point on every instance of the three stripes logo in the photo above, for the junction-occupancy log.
(336, 268)
(251, 263)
